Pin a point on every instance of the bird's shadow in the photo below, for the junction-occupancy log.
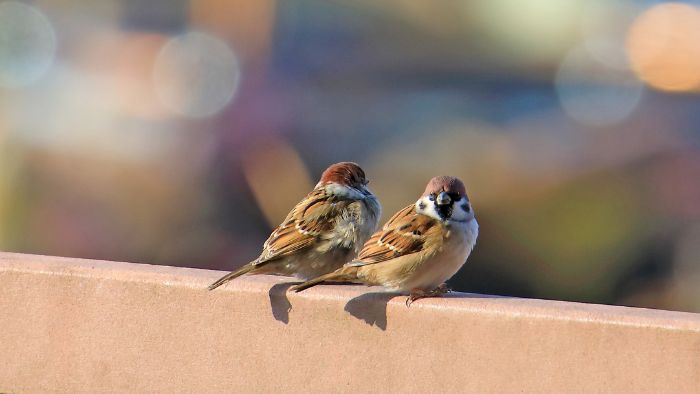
(279, 302)
(371, 307)
(368, 307)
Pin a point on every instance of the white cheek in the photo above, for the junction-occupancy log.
(427, 207)
(458, 212)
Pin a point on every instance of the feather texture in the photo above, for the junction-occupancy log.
(307, 221)
(419, 248)
(323, 231)
(404, 234)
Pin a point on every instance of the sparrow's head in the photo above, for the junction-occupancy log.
(445, 198)
(345, 174)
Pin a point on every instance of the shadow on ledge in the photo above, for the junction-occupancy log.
(279, 302)
(371, 307)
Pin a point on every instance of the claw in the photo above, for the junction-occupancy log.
(417, 294)
(413, 297)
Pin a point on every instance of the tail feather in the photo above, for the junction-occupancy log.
(232, 275)
(340, 275)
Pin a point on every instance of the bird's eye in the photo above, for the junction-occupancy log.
(432, 197)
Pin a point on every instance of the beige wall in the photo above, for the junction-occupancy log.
(70, 325)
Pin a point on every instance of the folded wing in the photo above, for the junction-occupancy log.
(304, 224)
(404, 234)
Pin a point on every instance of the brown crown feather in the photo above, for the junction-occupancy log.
(445, 183)
(344, 173)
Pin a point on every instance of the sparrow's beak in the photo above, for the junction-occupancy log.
(443, 199)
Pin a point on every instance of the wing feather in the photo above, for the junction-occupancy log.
(402, 235)
(306, 222)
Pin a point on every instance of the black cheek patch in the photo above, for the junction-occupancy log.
(465, 207)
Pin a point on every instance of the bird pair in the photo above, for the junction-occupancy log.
(330, 237)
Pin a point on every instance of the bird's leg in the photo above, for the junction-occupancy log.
(417, 294)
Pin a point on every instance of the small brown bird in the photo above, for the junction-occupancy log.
(323, 231)
(419, 248)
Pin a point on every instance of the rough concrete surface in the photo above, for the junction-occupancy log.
(71, 325)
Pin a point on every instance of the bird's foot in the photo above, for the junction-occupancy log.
(440, 290)
(417, 294)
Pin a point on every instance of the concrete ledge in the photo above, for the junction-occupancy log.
(70, 325)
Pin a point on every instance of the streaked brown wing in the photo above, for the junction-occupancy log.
(303, 225)
(402, 235)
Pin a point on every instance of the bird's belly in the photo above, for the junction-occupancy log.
(437, 269)
(312, 264)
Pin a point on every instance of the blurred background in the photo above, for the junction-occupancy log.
(180, 132)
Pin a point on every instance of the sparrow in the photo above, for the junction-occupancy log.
(323, 231)
(419, 248)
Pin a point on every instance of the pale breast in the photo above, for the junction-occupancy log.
(435, 270)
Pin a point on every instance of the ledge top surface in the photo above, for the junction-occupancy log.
(198, 279)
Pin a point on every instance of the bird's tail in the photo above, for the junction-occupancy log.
(345, 274)
(232, 275)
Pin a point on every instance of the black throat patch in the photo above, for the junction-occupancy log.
(445, 211)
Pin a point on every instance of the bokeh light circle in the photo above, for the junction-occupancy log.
(196, 74)
(663, 45)
(27, 44)
(528, 31)
(604, 27)
(594, 93)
